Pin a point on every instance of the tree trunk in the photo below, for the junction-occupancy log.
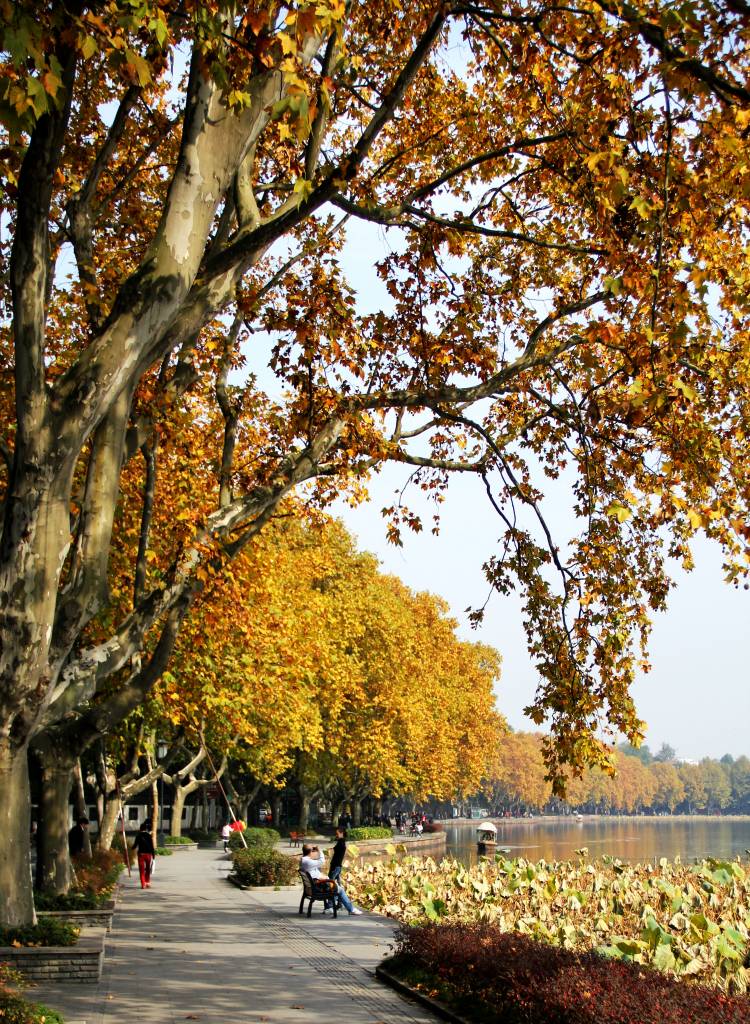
(79, 799)
(178, 805)
(53, 868)
(16, 897)
(304, 811)
(356, 811)
(156, 822)
(108, 823)
(276, 802)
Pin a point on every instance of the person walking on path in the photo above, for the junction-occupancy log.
(313, 865)
(226, 834)
(144, 844)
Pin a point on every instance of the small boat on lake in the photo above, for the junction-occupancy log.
(486, 837)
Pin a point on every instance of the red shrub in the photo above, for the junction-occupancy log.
(528, 982)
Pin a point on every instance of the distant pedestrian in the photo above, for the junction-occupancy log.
(77, 837)
(144, 844)
(226, 833)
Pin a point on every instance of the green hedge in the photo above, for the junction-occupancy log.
(255, 838)
(48, 932)
(199, 835)
(263, 866)
(178, 841)
(369, 832)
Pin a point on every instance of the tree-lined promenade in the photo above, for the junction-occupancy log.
(184, 361)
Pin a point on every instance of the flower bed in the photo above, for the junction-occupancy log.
(48, 932)
(96, 878)
(14, 1009)
(692, 922)
(503, 978)
(99, 916)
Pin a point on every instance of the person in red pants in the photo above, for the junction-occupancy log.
(144, 844)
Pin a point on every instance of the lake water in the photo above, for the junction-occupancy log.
(630, 839)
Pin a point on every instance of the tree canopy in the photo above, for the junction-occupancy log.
(565, 190)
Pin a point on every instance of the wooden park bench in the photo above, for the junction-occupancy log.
(312, 892)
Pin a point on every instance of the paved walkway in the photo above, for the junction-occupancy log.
(193, 947)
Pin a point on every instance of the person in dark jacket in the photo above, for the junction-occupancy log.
(337, 859)
(144, 844)
(77, 837)
(339, 852)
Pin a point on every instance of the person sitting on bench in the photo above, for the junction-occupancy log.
(312, 862)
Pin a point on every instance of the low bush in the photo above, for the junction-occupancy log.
(73, 900)
(178, 840)
(508, 978)
(369, 832)
(255, 838)
(164, 851)
(48, 932)
(263, 866)
(14, 1009)
(199, 835)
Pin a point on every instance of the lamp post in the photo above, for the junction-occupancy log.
(161, 753)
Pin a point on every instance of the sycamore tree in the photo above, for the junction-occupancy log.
(565, 190)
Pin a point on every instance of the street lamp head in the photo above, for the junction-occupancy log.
(161, 749)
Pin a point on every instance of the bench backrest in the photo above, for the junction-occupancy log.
(306, 882)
